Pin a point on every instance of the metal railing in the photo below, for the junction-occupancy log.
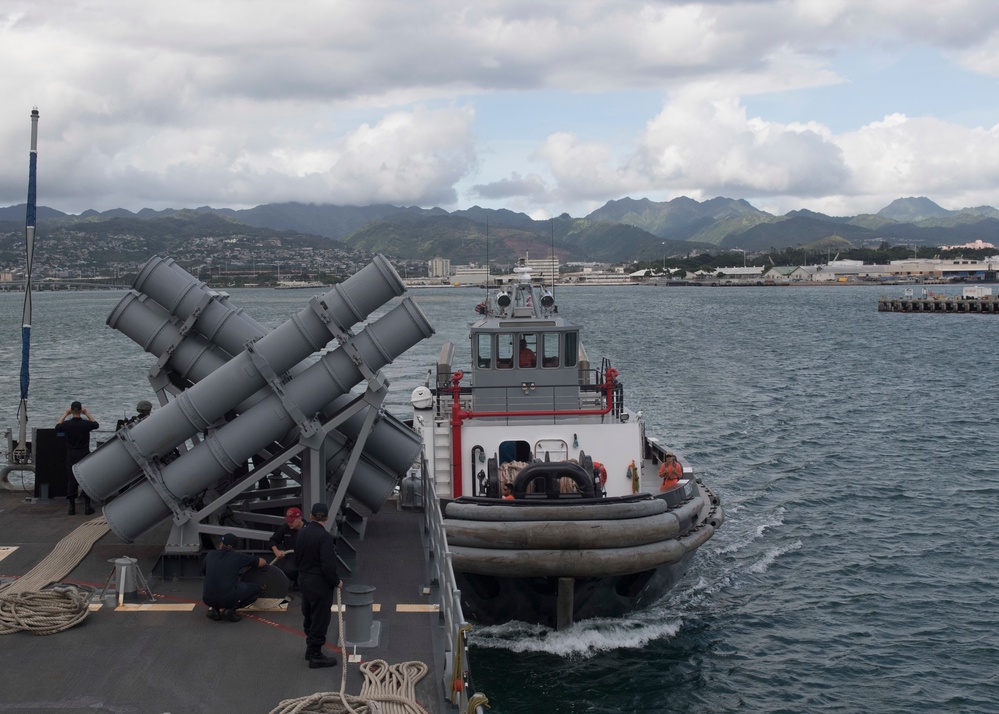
(590, 394)
(457, 679)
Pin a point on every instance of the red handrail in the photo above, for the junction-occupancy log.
(459, 415)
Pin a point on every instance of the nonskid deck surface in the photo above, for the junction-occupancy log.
(170, 657)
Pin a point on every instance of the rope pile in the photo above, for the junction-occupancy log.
(67, 554)
(26, 606)
(387, 688)
(44, 612)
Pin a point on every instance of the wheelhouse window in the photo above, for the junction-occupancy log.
(484, 351)
(571, 348)
(549, 349)
(527, 354)
(504, 351)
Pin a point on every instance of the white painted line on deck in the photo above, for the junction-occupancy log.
(6, 550)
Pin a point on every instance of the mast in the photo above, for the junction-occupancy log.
(553, 258)
(29, 249)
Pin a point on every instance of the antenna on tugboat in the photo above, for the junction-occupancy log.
(553, 259)
(487, 259)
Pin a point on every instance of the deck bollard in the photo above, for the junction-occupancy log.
(358, 618)
(127, 578)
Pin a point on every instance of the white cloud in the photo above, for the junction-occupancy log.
(244, 102)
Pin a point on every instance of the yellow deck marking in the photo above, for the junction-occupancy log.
(343, 608)
(157, 607)
(417, 608)
(188, 607)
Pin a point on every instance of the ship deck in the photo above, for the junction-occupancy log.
(169, 657)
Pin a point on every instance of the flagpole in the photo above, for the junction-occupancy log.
(22, 451)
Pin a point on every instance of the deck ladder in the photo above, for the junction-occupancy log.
(442, 457)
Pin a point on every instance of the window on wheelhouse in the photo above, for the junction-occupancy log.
(484, 351)
(549, 349)
(527, 354)
(504, 351)
(571, 348)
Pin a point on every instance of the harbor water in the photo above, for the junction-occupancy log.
(854, 452)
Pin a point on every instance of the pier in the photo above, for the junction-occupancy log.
(974, 300)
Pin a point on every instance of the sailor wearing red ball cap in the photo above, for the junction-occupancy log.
(283, 543)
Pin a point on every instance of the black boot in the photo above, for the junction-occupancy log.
(230, 614)
(88, 509)
(317, 658)
(72, 507)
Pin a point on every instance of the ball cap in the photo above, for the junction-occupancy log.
(291, 514)
(229, 540)
(320, 510)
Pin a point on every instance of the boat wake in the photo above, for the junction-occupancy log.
(748, 550)
(585, 639)
(763, 564)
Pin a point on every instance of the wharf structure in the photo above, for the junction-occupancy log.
(972, 300)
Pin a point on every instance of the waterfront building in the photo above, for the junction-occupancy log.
(439, 268)
(470, 275)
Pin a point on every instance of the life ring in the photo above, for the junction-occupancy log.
(593, 467)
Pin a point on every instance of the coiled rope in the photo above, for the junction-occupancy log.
(44, 612)
(26, 606)
(387, 688)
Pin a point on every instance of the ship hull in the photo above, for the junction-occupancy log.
(491, 600)
(550, 564)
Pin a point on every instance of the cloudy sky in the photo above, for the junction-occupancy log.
(837, 106)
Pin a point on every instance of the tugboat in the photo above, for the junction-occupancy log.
(554, 508)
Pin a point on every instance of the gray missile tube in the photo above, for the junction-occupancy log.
(151, 327)
(140, 508)
(391, 446)
(218, 321)
(165, 283)
(203, 405)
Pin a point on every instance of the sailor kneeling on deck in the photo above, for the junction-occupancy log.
(224, 592)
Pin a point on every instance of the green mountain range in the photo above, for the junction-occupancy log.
(620, 231)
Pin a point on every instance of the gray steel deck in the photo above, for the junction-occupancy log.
(180, 661)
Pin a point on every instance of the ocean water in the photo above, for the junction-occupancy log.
(854, 452)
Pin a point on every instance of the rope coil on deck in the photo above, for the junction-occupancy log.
(26, 606)
(387, 688)
(44, 612)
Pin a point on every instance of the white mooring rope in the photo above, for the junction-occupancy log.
(24, 603)
(387, 689)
